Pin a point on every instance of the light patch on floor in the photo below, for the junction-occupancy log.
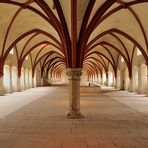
(133, 100)
(12, 102)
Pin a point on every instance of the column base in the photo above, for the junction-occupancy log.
(74, 115)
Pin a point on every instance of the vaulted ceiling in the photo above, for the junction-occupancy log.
(74, 33)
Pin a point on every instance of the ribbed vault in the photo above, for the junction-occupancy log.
(59, 34)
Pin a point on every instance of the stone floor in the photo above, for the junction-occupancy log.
(113, 119)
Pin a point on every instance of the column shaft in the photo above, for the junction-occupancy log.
(42, 81)
(115, 82)
(25, 85)
(102, 80)
(11, 85)
(28, 78)
(139, 79)
(19, 84)
(107, 82)
(33, 82)
(131, 84)
(74, 93)
(2, 88)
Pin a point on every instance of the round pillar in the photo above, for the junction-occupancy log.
(115, 82)
(41, 81)
(139, 79)
(74, 75)
(19, 84)
(11, 85)
(33, 84)
(131, 84)
(2, 88)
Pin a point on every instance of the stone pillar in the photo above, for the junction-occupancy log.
(90, 78)
(115, 82)
(33, 82)
(2, 88)
(107, 80)
(139, 79)
(28, 78)
(130, 84)
(11, 86)
(96, 80)
(93, 78)
(74, 75)
(42, 80)
(25, 85)
(19, 83)
(102, 80)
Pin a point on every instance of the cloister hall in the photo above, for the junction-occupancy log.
(73, 73)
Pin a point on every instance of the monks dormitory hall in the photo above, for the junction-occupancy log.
(73, 73)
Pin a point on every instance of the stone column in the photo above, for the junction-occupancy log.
(19, 83)
(102, 80)
(96, 80)
(130, 84)
(11, 86)
(28, 78)
(74, 75)
(115, 82)
(90, 78)
(42, 80)
(139, 79)
(2, 88)
(33, 82)
(25, 85)
(107, 79)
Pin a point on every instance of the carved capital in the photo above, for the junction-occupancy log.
(74, 73)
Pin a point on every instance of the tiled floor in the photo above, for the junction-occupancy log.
(113, 119)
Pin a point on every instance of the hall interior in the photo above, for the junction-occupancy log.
(73, 73)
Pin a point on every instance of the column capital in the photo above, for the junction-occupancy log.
(74, 73)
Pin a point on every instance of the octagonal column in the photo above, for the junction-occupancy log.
(74, 75)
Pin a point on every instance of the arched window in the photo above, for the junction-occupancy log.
(11, 51)
(122, 59)
(138, 51)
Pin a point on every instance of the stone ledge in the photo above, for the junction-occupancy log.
(90, 89)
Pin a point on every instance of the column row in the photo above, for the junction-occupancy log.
(138, 82)
(11, 82)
